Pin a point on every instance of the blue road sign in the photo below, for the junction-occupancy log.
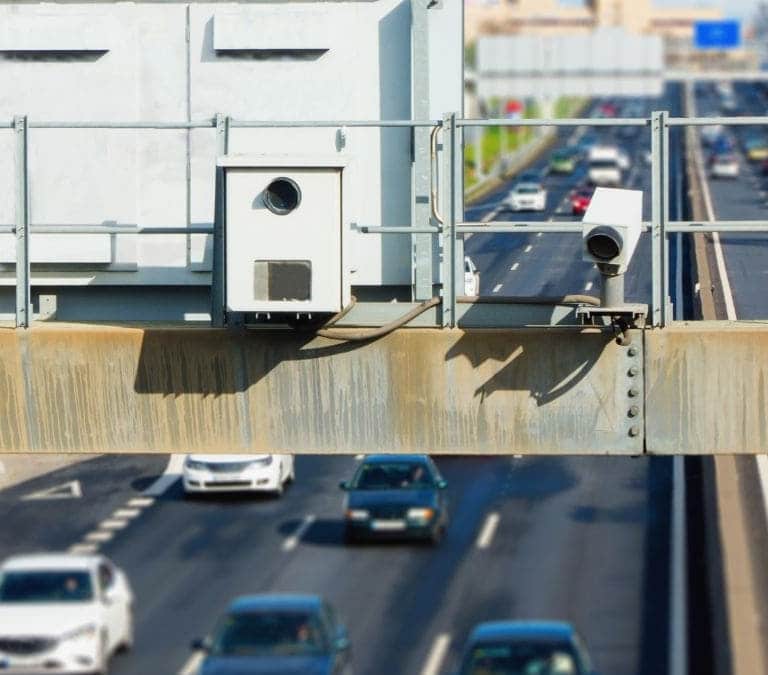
(717, 34)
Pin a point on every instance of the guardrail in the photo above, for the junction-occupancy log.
(447, 215)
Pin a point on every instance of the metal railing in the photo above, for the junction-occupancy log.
(446, 222)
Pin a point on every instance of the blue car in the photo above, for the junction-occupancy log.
(396, 496)
(277, 635)
(511, 647)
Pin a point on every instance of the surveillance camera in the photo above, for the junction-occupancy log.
(611, 228)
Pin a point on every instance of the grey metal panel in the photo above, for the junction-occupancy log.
(23, 292)
(707, 388)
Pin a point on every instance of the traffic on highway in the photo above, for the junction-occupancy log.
(376, 564)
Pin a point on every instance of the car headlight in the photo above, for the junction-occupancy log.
(86, 631)
(420, 514)
(264, 461)
(358, 514)
(194, 465)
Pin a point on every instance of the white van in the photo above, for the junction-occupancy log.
(605, 166)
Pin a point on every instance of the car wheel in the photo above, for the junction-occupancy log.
(128, 638)
(280, 488)
(103, 657)
(350, 538)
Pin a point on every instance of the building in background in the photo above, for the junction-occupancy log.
(549, 17)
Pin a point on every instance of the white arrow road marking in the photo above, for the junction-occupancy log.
(71, 490)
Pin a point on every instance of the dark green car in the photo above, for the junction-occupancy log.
(562, 162)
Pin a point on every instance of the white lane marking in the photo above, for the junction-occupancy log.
(113, 524)
(538, 234)
(83, 549)
(293, 541)
(528, 248)
(730, 308)
(71, 490)
(141, 502)
(436, 654)
(490, 525)
(491, 215)
(514, 267)
(762, 471)
(192, 664)
(126, 513)
(99, 536)
(170, 476)
(588, 286)
(497, 288)
(359, 458)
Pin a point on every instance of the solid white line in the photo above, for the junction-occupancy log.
(496, 288)
(489, 529)
(762, 472)
(588, 286)
(170, 476)
(678, 624)
(528, 248)
(436, 654)
(191, 666)
(730, 308)
(514, 267)
(293, 541)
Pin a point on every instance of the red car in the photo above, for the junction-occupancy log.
(580, 199)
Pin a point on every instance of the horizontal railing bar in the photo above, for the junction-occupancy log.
(564, 122)
(501, 226)
(371, 229)
(109, 229)
(200, 124)
(718, 226)
(267, 124)
(706, 121)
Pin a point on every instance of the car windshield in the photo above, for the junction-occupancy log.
(526, 189)
(602, 164)
(393, 476)
(539, 658)
(269, 634)
(46, 586)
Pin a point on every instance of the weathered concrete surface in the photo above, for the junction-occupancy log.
(707, 388)
(77, 388)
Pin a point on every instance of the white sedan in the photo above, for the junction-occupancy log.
(235, 473)
(527, 197)
(62, 613)
(724, 166)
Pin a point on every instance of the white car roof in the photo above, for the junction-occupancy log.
(226, 458)
(51, 561)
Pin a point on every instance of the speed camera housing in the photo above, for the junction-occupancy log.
(611, 228)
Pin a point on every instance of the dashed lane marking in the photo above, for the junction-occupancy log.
(141, 502)
(489, 529)
(437, 654)
(293, 541)
(514, 267)
(496, 288)
(528, 249)
(588, 286)
(83, 549)
(99, 536)
(113, 524)
(126, 513)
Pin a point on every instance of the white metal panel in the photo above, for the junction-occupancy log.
(60, 248)
(312, 232)
(295, 27)
(56, 29)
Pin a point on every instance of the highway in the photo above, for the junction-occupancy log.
(580, 539)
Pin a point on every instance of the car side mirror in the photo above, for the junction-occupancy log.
(200, 645)
(442, 484)
(344, 485)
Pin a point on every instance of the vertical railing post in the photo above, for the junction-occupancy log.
(23, 289)
(218, 276)
(423, 244)
(659, 217)
(449, 278)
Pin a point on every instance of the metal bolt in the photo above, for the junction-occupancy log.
(634, 391)
(632, 351)
(634, 411)
(634, 370)
(634, 430)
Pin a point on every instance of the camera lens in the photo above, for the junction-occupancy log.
(282, 196)
(604, 243)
